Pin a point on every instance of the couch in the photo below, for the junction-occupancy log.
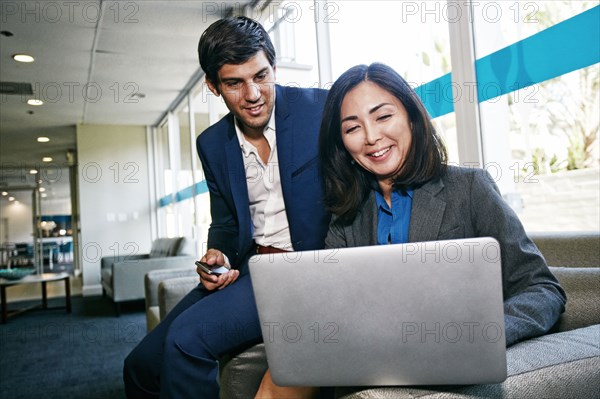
(123, 276)
(563, 363)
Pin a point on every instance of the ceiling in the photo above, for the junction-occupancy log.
(96, 62)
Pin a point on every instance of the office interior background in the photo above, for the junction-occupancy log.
(513, 87)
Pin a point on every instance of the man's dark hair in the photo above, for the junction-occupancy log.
(232, 40)
(347, 184)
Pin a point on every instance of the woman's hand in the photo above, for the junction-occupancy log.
(214, 257)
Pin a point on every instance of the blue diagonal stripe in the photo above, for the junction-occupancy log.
(565, 47)
(186, 193)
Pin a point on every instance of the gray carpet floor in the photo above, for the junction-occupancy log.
(49, 354)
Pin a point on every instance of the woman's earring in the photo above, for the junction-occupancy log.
(352, 162)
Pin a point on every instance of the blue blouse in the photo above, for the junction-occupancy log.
(392, 224)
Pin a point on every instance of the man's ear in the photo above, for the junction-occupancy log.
(212, 88)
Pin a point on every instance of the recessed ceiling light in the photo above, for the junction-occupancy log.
(23, 58)
(44, 195)
(47, 159)
(33, 172)
(43, 139)
(35, 101)
(42, 189)
(11, 198)
(4, 193)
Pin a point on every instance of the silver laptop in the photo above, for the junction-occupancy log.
(412, 314)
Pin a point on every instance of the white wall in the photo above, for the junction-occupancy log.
(113, 176)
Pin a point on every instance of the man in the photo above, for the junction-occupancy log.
(261, 167)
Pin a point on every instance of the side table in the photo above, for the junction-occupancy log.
(43, 278)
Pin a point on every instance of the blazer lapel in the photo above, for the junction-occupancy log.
(237, 180)
(364, 229)
(427, 212)
(284, 133)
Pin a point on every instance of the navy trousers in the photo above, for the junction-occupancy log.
(178, 359)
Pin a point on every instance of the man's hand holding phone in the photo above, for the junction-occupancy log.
(214, 270)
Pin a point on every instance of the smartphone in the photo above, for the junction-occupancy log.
(215, 270)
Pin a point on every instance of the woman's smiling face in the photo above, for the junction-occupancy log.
(375, 130)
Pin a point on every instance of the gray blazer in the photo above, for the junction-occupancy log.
(466, 203)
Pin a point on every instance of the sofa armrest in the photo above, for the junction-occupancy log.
(582, 285)
(152, 318)
(128, 277)
(172, 290)
(154, 277)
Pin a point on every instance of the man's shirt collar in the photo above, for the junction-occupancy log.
(269, 133)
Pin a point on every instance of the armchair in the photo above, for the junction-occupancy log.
(123, 276)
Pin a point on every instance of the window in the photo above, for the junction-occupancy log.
(539, 117)
(164, 182)
(291, 26)
(411, 37)
(537, 79)
(163, 161)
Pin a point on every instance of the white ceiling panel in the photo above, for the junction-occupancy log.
(129, 47)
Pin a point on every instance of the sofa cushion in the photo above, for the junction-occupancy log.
(553, 366)
(175, 246)
(162, 247)
(187, 246)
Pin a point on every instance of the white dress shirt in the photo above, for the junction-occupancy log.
(267, 209)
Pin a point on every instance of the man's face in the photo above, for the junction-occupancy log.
(248, 90)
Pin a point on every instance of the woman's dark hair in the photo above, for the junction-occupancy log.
(347, 185)
(232, 40)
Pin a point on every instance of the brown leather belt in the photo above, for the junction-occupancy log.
(269, 250)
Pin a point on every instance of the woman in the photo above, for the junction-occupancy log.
(387, 182)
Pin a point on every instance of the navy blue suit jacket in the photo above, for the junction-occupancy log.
(297, 120)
